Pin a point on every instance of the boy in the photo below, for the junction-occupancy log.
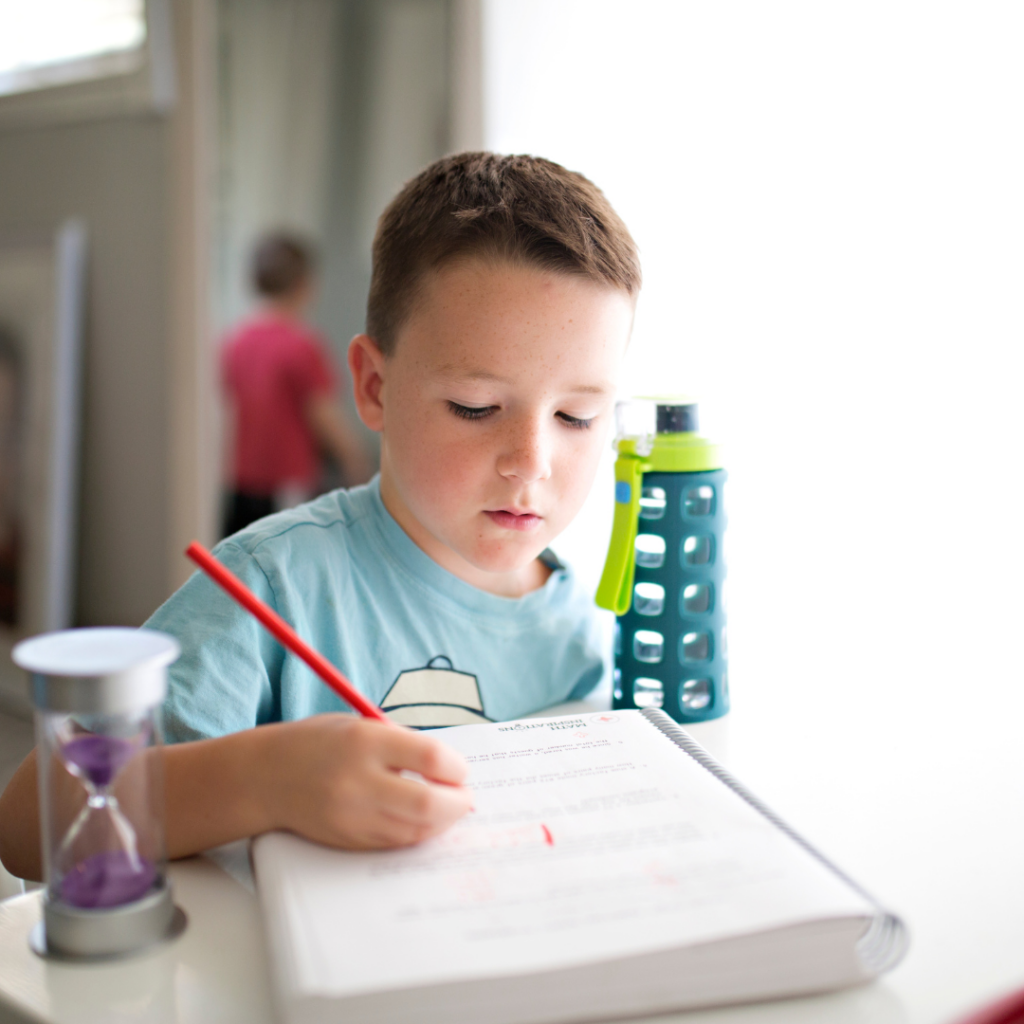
(280, 391)
(500, 307)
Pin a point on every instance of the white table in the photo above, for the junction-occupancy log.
(217, 971)
(925, 817)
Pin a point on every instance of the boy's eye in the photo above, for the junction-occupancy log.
(573, 421)
(468, 412)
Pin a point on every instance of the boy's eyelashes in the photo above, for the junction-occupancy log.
(469, 412)
(574, 421)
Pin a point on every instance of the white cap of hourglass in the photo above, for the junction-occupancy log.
(105, 670)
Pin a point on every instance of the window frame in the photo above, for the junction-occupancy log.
(136, 81)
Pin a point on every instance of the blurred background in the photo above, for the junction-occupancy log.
(828, 204)
(828, 201)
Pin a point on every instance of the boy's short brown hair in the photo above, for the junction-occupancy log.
(518, 209)
(281, 263)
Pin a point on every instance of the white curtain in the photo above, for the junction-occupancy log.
(276, 81)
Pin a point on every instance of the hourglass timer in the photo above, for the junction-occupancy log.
(97, 695)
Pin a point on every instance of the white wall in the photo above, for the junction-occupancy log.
(392, 116)
(114, 175)
(138, 181)
(828, 202)
(276, 74)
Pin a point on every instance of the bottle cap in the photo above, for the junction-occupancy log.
(677, 419)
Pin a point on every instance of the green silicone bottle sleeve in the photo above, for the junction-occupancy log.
(616, 586)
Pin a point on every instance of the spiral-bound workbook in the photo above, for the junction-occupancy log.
(610, 868)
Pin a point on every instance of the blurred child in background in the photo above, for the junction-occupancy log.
(281, 392)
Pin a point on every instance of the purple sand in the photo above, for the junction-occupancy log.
(98, 758)
(107, 879)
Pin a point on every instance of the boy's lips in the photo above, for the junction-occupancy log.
(513, 520)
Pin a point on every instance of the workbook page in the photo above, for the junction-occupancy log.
(592, 837)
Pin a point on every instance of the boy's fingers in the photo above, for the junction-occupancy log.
(422, 804)
(413, 751)
(390, 832)
(407, 833)
(382, 834)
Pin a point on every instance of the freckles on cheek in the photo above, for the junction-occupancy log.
(440, 470)
(578, 474)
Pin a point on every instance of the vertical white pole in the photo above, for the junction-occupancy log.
(192, 384)
(61, 530)
(466, 100)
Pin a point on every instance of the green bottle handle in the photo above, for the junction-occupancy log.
(615, 589)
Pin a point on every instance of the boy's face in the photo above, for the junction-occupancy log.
(494, 409)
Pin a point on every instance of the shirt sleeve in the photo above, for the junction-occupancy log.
(228, 675)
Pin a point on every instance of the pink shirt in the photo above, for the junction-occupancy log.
(272, 365)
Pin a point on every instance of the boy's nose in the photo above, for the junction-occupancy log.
(526, 455)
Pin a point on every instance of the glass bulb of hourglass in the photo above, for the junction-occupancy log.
(99, 861)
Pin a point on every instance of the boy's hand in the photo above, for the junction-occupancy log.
(336, 779)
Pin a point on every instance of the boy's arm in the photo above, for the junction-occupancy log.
(332, 778)
(19, 823)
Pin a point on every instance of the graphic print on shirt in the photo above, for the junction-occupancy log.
(434, 696)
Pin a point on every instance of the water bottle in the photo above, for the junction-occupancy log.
(665, 570)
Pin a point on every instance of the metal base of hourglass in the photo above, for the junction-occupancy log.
(108, 933)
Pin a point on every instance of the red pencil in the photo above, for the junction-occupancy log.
(282, 631)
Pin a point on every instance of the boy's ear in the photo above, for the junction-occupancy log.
(366, 364)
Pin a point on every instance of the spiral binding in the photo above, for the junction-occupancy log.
(885, 941)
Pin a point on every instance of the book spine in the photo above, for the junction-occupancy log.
(885, 942)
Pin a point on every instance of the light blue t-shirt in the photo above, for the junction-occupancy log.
(427, 647)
